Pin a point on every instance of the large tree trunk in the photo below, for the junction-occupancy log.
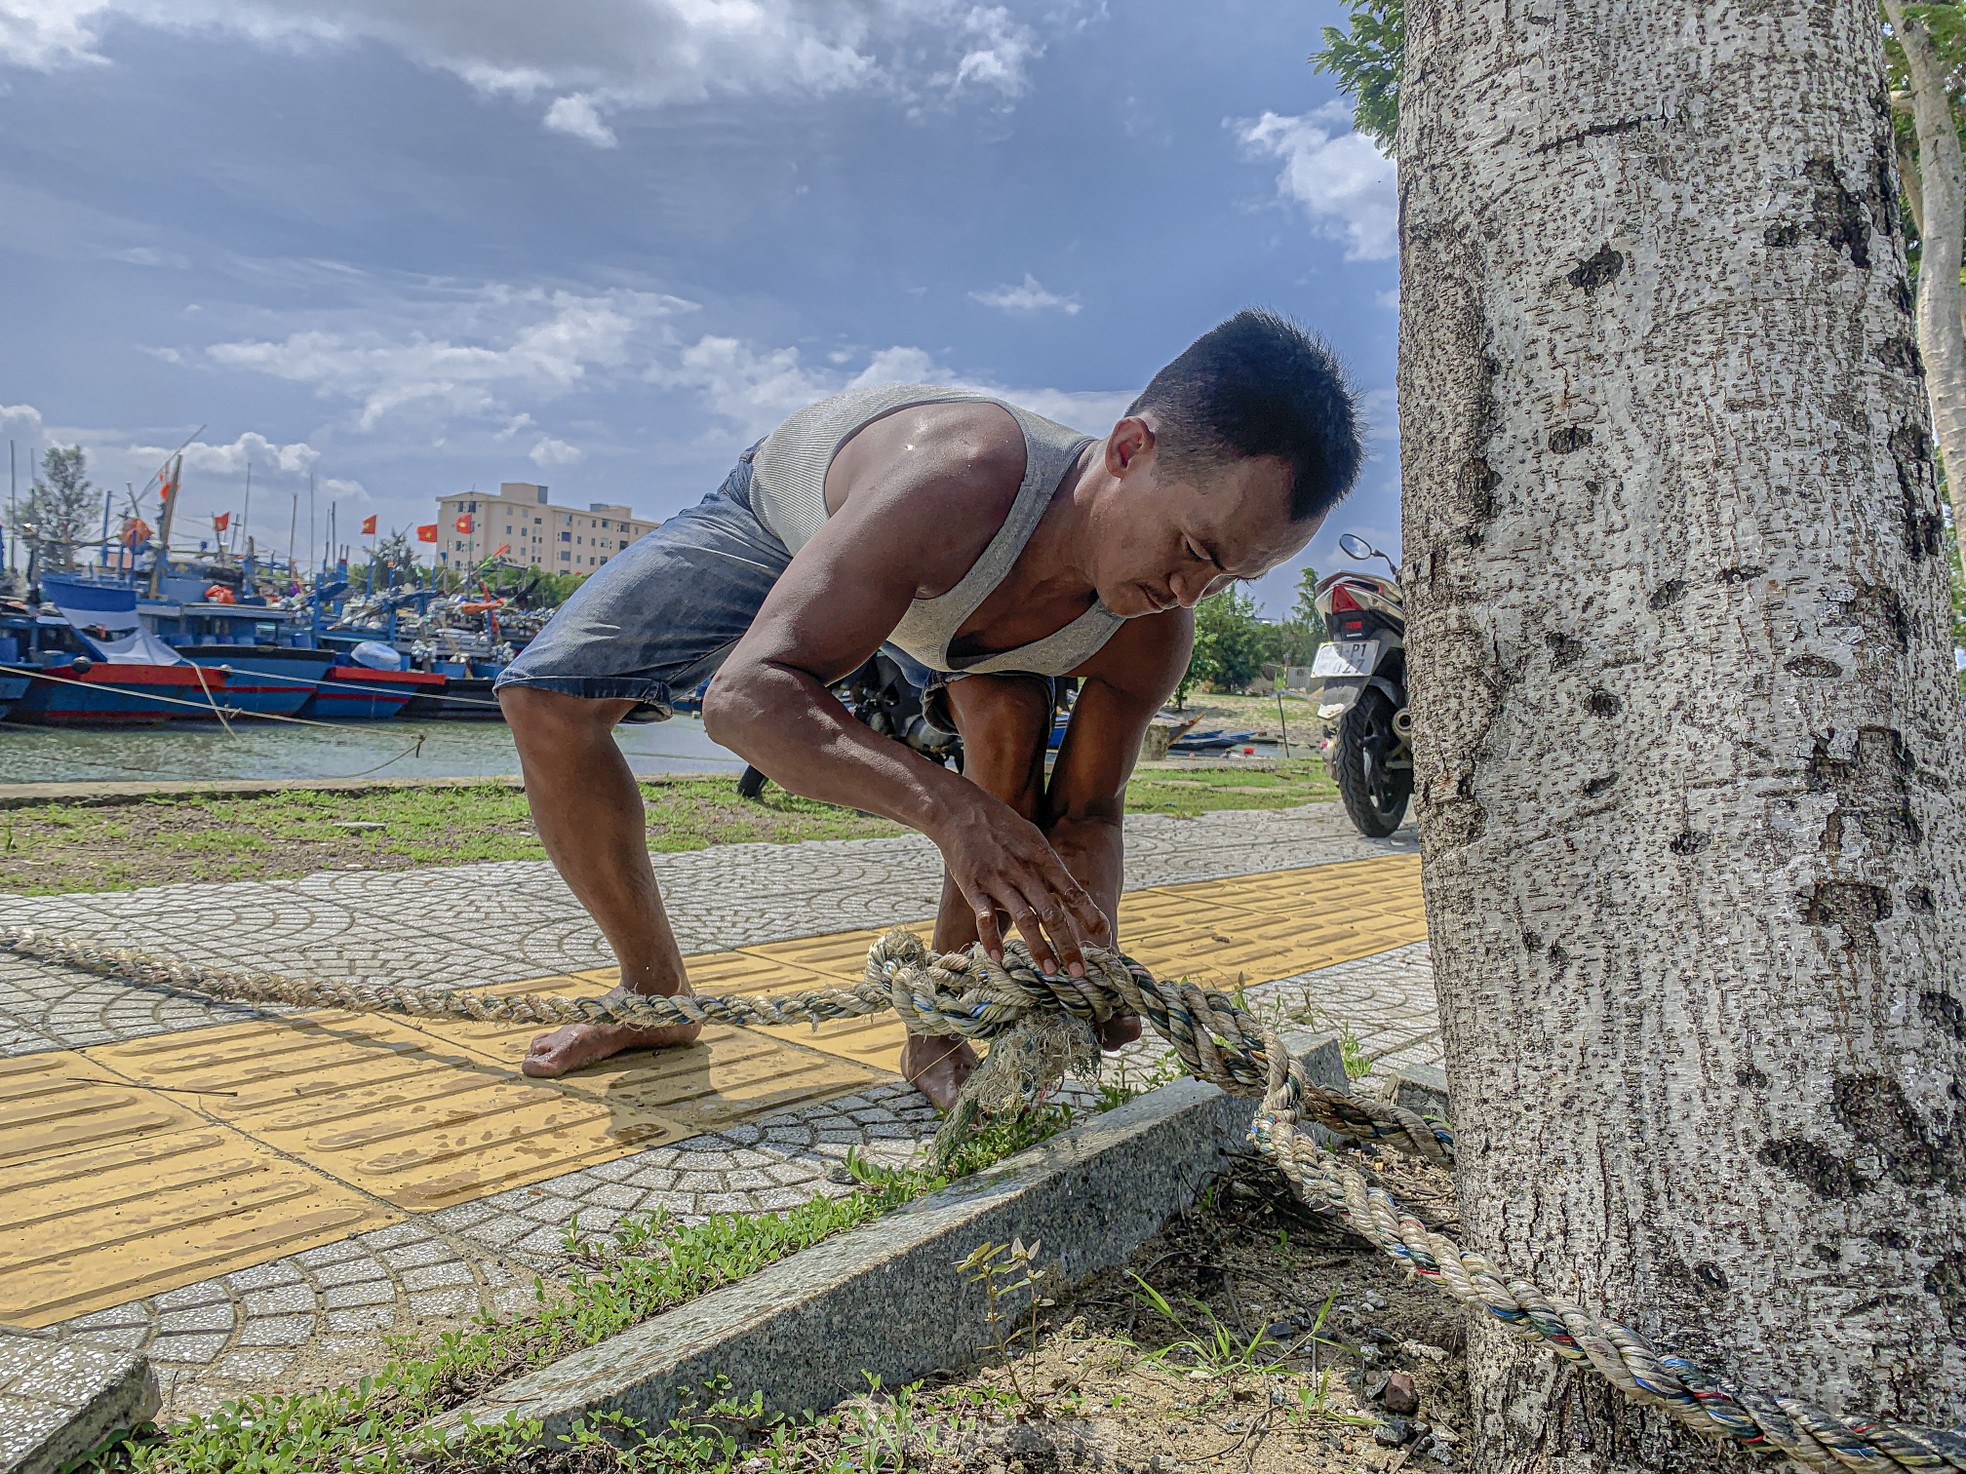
(1941, 225)
(1690, 758)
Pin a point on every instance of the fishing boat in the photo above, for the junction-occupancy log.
(264, 680)
(466, 696)
(1213, 740)
(16, 645)
(352, 690)
(95, 665)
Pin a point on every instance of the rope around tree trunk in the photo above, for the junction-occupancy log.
(1042, 1025)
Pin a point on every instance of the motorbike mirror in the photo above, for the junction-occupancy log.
(1357, 547)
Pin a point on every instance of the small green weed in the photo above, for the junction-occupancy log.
(1001, 1270)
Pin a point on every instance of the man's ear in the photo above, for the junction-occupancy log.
(1132, 438)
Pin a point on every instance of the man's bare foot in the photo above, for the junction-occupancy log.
(1121, 1029)
(575, 1046)
(937, 1067)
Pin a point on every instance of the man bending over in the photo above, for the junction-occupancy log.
(996, 547)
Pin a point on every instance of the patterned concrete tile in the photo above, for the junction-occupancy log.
(308, 1319)
(322, 1314)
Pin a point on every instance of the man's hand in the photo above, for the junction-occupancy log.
(1008, 870)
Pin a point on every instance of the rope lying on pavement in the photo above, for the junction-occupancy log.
(1043, 1024)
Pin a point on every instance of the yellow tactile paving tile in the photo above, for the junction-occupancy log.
(109, 1191)
(729, 1074)
(398, 1113)
(55, 1103)
(168, 1159)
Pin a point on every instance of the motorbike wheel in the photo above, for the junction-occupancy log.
(750, 783)
(1375, 795)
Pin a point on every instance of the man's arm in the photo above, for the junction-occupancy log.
(919, 524)
(1125, 684)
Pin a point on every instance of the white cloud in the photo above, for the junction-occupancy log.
(574, 115)
(1388, 299)
(754, 388)
(232, 459)
(22, 422)
(600, 55)
(1001, 50)
(1030, 296)
(472, 353)
(549, 453)
(1344, 184)
(151, 256)
(343, 489)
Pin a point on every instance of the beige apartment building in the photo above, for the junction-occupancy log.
(557, 539)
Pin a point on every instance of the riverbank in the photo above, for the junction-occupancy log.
(100, 837)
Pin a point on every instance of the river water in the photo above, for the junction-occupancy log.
(392, 749)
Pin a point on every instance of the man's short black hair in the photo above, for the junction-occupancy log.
(1259, 385)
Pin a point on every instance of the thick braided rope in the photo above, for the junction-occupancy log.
(1223, 1043)
(968, 996)
(967, 993)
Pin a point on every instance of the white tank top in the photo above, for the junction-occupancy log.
(788, 493)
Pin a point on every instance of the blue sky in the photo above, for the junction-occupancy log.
(606, 243)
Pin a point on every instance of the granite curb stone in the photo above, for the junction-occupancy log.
(803, 1331)
(62, 1400)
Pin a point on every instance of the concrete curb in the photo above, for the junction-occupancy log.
(885, 1297)
(1421, 1089)
(60, 1401)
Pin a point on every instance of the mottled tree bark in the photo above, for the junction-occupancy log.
(1941, 218)
(1689, 750)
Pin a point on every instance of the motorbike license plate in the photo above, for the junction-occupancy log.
(1346, 658)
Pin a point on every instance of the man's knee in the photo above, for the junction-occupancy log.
(537, 714)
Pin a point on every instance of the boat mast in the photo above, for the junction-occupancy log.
(172, 479)
(247, 510)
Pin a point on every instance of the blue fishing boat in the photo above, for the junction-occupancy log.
(16, 641)
(264, 680)
(95, 665)
(368, 684)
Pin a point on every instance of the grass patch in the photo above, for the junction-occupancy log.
(644, 1265)
(1184, 793)
(52, 849)
(49, 849)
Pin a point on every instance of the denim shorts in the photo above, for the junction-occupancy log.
(654, 622)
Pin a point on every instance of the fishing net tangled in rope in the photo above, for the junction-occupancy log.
(1042, 1027)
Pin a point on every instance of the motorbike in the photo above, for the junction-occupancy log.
(1363, 663)
(886, 693)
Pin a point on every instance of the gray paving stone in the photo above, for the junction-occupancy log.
(189, 1349)
(367, 1292)
(278, 1330)
(367, 1318)
(437, 1276)
(200, 1318)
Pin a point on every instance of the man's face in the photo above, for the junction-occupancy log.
(1175, 536)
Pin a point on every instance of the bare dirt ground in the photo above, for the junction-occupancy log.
(1249, 1336)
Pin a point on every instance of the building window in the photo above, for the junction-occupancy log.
(565, 555)
(566, 537)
